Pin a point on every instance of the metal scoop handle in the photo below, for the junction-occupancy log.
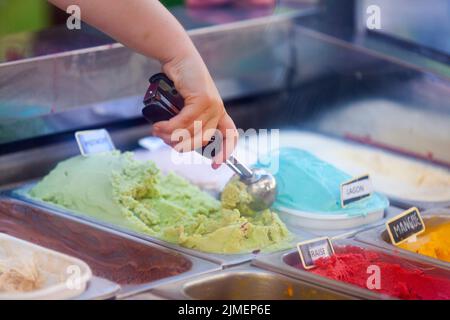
(238, 167)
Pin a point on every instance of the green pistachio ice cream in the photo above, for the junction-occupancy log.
(235, 196)
(115, 188)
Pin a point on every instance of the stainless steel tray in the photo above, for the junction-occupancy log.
(282, 262)
(99, 289)
(245, 283)
(145, 296)
(379, 237)
(225, 260)
(134, 264)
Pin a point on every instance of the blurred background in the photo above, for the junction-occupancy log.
(33, 15)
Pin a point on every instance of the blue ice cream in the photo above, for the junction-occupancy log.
(306, 183)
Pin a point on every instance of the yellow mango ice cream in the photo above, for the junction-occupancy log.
(116, 188)
(434, 242)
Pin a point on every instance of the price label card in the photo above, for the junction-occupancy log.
(355, 190)
(94, 141)
(404, 226)
(312, 250)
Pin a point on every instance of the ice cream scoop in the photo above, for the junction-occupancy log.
(162, 102)
(249, 197)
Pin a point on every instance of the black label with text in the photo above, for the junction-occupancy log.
(407, 224)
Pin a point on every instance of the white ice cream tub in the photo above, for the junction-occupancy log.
(63, 277)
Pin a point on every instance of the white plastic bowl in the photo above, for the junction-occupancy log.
(57, 270)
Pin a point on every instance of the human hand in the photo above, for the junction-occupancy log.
(203, 111)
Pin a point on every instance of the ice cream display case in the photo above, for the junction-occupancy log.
(346, 271)
(224, 260)
(406, 181)
(130, 265)
(150, 228)
(246, 283)
(432, 246)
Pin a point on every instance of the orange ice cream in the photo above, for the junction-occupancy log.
(434, 242)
